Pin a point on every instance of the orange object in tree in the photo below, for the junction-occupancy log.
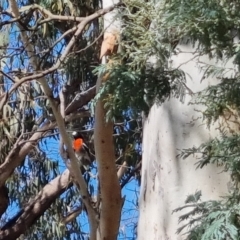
(81, 150)
(109, 44)
(77, 144)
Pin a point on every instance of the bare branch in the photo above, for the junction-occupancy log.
(131, 174)
(72, 215)
(35, 208)
(20, 150)
(123, 168)
(62, 103)
(14, 160)
(81, 98)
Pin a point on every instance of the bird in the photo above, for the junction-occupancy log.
(81, 150)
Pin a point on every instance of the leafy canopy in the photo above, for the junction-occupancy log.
(211, 27)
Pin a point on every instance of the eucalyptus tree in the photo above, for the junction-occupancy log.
(182, 60)
(190, 138)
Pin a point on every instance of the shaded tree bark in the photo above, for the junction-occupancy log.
(166, 179)
(4, 199)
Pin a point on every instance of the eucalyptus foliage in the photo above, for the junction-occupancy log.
(150, 33)
(212, 27)
(154, 28)
(140, 74)
(210, 219)
(28, 109)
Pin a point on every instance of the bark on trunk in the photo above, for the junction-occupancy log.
(110, 191)
(167, 180)
(111, 202)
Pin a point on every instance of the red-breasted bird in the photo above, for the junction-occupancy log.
(81, 150)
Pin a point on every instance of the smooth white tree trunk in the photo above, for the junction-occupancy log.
(166, 179)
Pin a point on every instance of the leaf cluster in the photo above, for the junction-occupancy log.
(210, 219)
(210, 26)
(137, 90)
(140, 75)
(220, 101)
(222, 151)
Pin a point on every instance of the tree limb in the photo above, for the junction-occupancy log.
(36, 207)
(14, 160)
(50, 16)
(20, 150)
(73, 166)
(81, 98)
(123, 168)
(72, 215)
(136, 169)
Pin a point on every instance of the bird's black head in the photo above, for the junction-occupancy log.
(77, 135)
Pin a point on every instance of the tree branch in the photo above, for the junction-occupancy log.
(73, 166)
(18, 154)
(50, 16)
(136, 169)
(36, 207)
(123, 168)
(81, 98)
(20, 150)
(72, 215)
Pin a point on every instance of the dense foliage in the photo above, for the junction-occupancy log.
(27, 112)
(140, 73)
(211, 26)
(150, 33)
